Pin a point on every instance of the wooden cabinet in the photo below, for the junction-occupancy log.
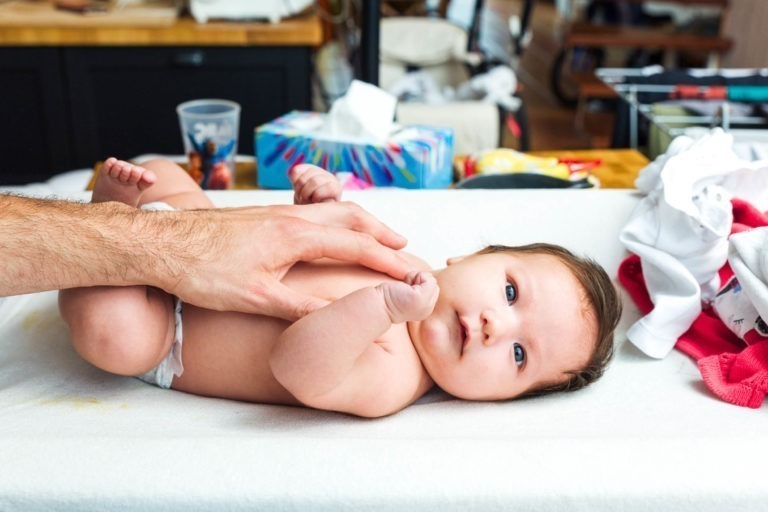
(65, 108)
(123, 100)
(34, 113)
(68, 106)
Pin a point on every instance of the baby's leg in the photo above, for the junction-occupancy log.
(129, 330)
(155, 180)
(124, 330)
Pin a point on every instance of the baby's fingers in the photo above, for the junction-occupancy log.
(419, 277)
(322, 189)
(298, 174)
(430, 289)
(313, 184)
(425, 286)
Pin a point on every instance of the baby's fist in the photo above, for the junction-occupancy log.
(413, 299)
(311, 184)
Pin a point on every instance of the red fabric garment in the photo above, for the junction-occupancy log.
(734, 372)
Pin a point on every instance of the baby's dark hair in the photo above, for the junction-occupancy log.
(603, 300)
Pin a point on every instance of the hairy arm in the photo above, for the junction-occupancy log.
(49, 245)
(329, 358)
(230, 259)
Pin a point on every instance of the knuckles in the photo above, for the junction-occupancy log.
(354, 213)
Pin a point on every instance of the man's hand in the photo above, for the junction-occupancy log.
(251, 249)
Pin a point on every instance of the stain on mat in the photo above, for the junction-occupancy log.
(41, 320)
(84, 403)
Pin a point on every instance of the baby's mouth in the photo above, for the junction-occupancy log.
(462, 335)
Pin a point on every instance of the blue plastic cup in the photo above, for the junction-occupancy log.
(209, 129)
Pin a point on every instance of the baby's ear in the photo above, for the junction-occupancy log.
(455, 259)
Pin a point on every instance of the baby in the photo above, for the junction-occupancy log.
(497, 324)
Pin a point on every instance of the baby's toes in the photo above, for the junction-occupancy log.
(134, 175)
(120, 171)
(109, 167)
(146, 178)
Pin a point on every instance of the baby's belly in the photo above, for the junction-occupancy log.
(226, 355)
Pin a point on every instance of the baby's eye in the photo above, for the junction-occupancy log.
(511, 292)
(519, 354)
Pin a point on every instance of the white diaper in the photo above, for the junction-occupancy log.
(158, 206)
(162, 375)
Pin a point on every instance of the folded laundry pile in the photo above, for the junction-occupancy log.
(699, 241)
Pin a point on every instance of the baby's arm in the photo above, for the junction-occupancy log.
(328, 359)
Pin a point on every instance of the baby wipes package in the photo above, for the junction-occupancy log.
(410, 157)
(357, 136)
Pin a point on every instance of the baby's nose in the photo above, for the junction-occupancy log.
(491, 327)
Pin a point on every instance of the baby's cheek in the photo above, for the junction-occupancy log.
(433, 334)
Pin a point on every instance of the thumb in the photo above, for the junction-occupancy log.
(282, 302)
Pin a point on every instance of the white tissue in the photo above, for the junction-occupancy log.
(365, 111)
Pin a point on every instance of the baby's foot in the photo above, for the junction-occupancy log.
(122, 181)
(413, 299)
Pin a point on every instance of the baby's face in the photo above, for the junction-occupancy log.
(504, 323)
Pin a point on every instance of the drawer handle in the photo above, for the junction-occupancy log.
(191, 59)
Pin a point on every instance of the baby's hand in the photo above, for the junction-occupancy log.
(311, 184)
(413, 299)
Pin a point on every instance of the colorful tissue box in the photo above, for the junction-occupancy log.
(414, 156)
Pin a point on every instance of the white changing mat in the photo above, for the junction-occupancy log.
(648, 436)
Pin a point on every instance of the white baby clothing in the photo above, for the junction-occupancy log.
(748, 257)
(680, 231)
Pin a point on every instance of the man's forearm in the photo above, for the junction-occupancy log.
(47, 245)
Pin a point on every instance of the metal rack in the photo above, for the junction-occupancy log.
(636, 95)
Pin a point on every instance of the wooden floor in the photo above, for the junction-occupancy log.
(551, 125)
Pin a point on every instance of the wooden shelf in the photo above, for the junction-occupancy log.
(604, 36)
(300, 31)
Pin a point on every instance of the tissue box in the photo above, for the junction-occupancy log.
(413, 156)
